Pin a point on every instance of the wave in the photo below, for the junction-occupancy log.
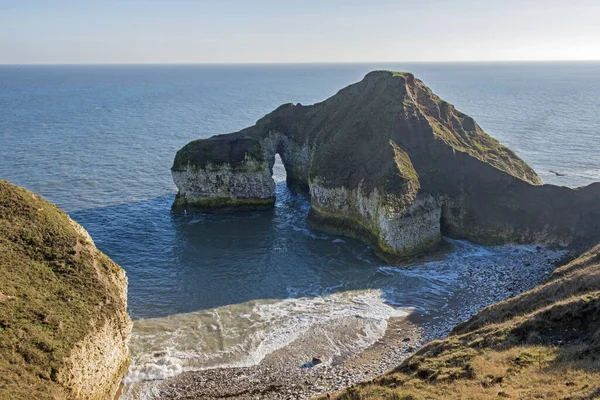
(244, 334)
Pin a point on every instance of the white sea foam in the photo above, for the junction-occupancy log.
(244, 334)
(590, 173)
(328, 324)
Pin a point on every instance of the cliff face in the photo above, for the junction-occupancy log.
(544, 343)
(389, 162)
(64, 326)
(226, 175)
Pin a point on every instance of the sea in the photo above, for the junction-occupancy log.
(214, 290)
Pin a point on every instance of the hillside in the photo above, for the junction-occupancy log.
(542, 344)
(64, 326)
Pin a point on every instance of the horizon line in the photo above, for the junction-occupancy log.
(304, 62)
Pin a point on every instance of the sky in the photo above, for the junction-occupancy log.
(290, 31)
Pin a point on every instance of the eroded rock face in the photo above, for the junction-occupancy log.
(236, 174)
(64, 326)
(220, 187)
(391, 227)
(389, 162)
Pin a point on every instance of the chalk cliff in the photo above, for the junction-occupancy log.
(389, 162)
(64, 327)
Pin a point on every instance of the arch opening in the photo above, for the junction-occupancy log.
(279, 173)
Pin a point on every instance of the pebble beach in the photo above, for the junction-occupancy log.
(280, 375)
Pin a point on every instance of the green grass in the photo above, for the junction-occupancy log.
(405, 166)
(218, 151)
(53, 290)
(542, 344)
(463, 134)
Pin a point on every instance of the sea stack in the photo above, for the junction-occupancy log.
(387, 161)
(64, 327)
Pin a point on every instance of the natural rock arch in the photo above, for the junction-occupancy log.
(387, 161)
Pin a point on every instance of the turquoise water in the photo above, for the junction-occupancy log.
(99, 141)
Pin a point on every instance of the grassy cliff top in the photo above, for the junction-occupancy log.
(462, 133)
(544, 343)
(453, 127)
(350, 135)
(217, 150)
(55, 286)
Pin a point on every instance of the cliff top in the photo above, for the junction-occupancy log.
(352, 131)
(54, 288)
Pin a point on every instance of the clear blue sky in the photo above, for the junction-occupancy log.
(224, 31)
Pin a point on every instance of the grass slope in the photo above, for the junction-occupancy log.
(53, 291)
(543, 344)
(350, 132)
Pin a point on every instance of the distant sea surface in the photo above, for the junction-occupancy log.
(99, 142)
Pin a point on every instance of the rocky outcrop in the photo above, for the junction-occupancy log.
(231, 174)
(389, 162)
(64, 327)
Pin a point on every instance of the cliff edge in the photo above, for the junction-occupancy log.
(542, 344)
(64, 326)
(389, 162)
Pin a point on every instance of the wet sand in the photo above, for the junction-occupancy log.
(277, 378)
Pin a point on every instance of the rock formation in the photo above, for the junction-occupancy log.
(64, 326)
(389, 162)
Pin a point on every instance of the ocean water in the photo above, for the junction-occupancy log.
(214, 290)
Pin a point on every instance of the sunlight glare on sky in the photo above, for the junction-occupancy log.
(226, 31)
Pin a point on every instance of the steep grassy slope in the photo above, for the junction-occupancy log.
(542, 344)
(348, 134)
(63, 319)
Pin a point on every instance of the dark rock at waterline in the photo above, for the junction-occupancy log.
(315, 361)
(389, 162)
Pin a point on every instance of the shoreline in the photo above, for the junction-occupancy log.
(273, 380)
(280, 375)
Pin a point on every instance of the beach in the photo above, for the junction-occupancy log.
(288, 372)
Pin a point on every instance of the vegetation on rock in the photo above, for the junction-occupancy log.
(389, 162)
(544, 343)
(220, 150)
(56, 289)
